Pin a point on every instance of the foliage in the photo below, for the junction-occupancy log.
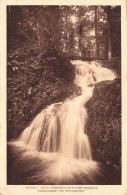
(89, 31)
(41, 41)
(34, 81)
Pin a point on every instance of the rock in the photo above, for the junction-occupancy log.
(104, 122)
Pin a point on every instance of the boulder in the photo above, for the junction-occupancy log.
(104, 122)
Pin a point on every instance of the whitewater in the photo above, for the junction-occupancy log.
(55, 146)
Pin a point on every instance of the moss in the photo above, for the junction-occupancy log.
(104, 121)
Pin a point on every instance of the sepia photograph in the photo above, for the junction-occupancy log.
(64, 95)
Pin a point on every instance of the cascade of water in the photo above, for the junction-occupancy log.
(60, 129)
(61, 126)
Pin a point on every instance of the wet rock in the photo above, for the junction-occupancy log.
(104, 122)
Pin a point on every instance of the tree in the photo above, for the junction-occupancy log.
(86, 31)
(108, 9)
(96, 33)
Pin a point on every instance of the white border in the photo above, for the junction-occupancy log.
(21, 189)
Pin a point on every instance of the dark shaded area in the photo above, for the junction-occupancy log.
(104, 127)
(116, 31)
(112, 175)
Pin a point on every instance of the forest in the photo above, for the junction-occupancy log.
(41, 42)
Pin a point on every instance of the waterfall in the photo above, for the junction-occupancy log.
(58, 133)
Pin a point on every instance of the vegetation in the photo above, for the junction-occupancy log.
(33, 86)
(41, 42)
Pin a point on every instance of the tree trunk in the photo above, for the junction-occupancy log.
(109, 32)
(66, 30)
(96, 34)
